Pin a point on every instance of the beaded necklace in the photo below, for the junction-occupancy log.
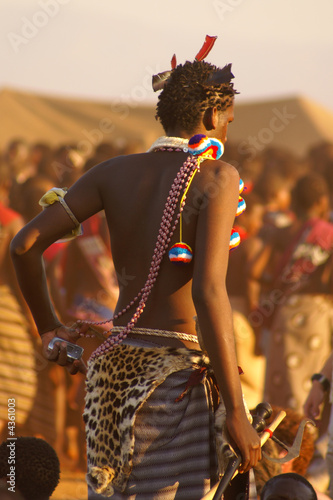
(200, 148)
(168, 143)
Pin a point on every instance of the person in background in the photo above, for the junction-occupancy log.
(301, 330)
(53, 404)
(274, 190)
(289, 486)
(37, 468)
(40, 156)
(18, 378)
(244, 294)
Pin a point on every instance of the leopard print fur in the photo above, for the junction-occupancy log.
(118, 383)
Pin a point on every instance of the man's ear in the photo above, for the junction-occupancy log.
(210, 118)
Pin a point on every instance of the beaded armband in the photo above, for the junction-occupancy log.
(57, 195)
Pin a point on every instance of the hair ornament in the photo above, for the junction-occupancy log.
(161, 79)
(206, 48)
(223, 75)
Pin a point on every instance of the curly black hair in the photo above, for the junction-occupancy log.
(290, 479)
(186, 95)
(37, 468)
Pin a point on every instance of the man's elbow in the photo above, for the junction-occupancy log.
(25, 241)
(16, 248)
(20, 245)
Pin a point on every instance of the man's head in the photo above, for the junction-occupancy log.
(252, 218)
(311, 196)
(191, 94)
(288, 486)
(37, 468)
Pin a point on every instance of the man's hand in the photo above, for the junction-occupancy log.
(314, 400)
(59, 352)
(246, 439)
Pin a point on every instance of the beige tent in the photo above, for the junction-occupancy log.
(294, 123)
(84, 123)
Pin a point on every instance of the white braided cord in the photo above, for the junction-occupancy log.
(159, 333)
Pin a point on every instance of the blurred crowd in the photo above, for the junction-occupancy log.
(279, 282)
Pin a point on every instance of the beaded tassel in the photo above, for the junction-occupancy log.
(203, 148)
(235, 238)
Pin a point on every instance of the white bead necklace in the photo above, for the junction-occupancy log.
(169, 142)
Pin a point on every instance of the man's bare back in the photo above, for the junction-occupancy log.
(140, 185)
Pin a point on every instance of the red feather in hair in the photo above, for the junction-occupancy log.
(206, 48)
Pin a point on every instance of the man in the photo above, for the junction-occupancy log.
(36, 470)
(133, 190)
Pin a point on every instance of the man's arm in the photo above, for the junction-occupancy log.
(316, 395)
(210, 298)
(28, 246)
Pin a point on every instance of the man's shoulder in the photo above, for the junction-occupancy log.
(218, 171)
(106, 167)
(120, 160)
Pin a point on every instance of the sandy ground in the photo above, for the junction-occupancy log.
(72, 486)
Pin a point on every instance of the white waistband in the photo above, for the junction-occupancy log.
(159, 333)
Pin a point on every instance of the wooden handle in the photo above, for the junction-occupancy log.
(263, 438)
(276, 422)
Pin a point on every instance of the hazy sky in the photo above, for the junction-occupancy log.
(106, 49)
